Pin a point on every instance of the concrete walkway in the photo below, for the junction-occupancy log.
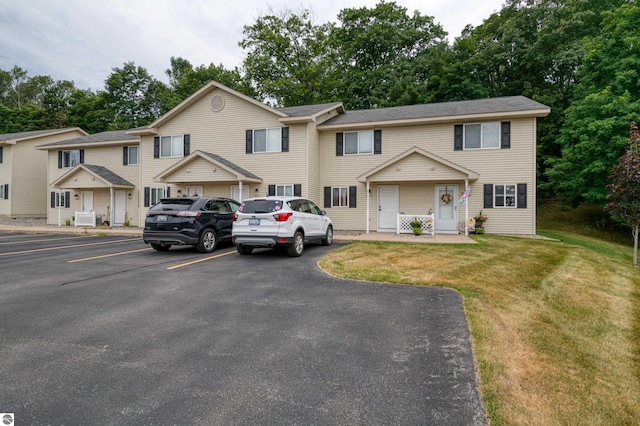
(340, 236)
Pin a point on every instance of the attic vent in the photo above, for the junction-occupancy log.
(217, 103)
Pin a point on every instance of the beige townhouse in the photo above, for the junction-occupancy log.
(369, 169)
(23, 180)
(97, 173)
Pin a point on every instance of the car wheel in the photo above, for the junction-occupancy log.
(297, 247)
(160, 247)
(208, 241)
(328, 238)
(244, 250)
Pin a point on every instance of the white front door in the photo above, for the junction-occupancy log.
(119, 208)
(86, 198)
(235, 192)
(446, 214)
(387, 208)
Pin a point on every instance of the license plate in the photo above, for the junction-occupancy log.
(254, 222)
(161, 218)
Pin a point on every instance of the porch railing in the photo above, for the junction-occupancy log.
(404, 220)
(85, 219)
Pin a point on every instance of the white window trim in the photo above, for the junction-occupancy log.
(137, 163)
(173, 155)
(464, 141)
(267, 130)
(359, 132)
(341, 188)
(69, 152)
(284, 190)
(504, 195)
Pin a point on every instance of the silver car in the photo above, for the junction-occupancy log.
(280, 222)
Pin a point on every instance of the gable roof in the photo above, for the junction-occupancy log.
(115, 137)
(509, 106)
(12, 138)
(234, 169)
(106, 176)
(469, 174)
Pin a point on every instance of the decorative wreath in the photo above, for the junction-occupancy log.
(446, 198)
(471, 221)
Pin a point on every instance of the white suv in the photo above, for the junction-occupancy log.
(287, 222)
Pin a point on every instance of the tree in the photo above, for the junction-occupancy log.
(384, 54)
(289, 59)
(623, 193)
(603, 100)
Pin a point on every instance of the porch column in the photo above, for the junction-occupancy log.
(111, 215)
(368, 194)
(240, 191)
(466, 209)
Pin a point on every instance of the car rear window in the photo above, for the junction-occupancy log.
(173, 205)
(260, 206)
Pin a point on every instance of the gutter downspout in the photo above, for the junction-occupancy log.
(368, 194)
(466, 209)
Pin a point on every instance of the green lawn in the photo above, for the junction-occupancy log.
(555, 324)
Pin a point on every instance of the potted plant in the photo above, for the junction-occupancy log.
(416, 226)
(480, 219)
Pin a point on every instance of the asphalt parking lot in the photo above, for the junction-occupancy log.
(105, 330)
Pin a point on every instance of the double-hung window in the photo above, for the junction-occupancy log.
(504, 196)
(482, 136)
(4, 192)
(267, 140)
(70, 158)
(172, 146)
(131, 155)
(284, 190)
(156, 195)
(340, 196)
(358, 142)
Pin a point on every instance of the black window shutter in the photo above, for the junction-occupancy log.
(187, 145)
(327, 197)
(377, 141)
(125, 155)
(488, 195)
(156, 147)
(147, 195)
(67, 195)
(285, 139)
(59, 160)
(297, 190)
(272, 190)
(82, 156)
(53, 200)
(0, 154)
(457, 137)
(352, 197)
(522, 195)
(339, 144)
(505, 137)
(168, 192)
(6, 191)
(249, 141)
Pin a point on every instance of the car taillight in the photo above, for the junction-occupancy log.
(235, 217)
(188, 213)
(282, 217)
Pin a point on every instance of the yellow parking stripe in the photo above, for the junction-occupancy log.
(71, 246)
(108, 255)
(200, 260)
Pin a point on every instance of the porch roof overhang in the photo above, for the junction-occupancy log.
(416, 164)
(91, 176)
(229, 172)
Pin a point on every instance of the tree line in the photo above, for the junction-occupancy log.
(579, 57)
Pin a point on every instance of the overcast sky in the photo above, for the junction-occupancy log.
(83, 40)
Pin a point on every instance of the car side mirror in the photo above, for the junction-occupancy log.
(323, 213)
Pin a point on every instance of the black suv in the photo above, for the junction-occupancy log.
(196, 221)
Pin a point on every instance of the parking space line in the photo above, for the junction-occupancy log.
(200, 260)
(71, 246)
(41, 240)
(108, 255)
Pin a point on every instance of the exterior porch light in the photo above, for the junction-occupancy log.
(76, 196)
(129, 195)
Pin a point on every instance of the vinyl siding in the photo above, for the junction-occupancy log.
(223, 133)
(109, 157)
(497, 166)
